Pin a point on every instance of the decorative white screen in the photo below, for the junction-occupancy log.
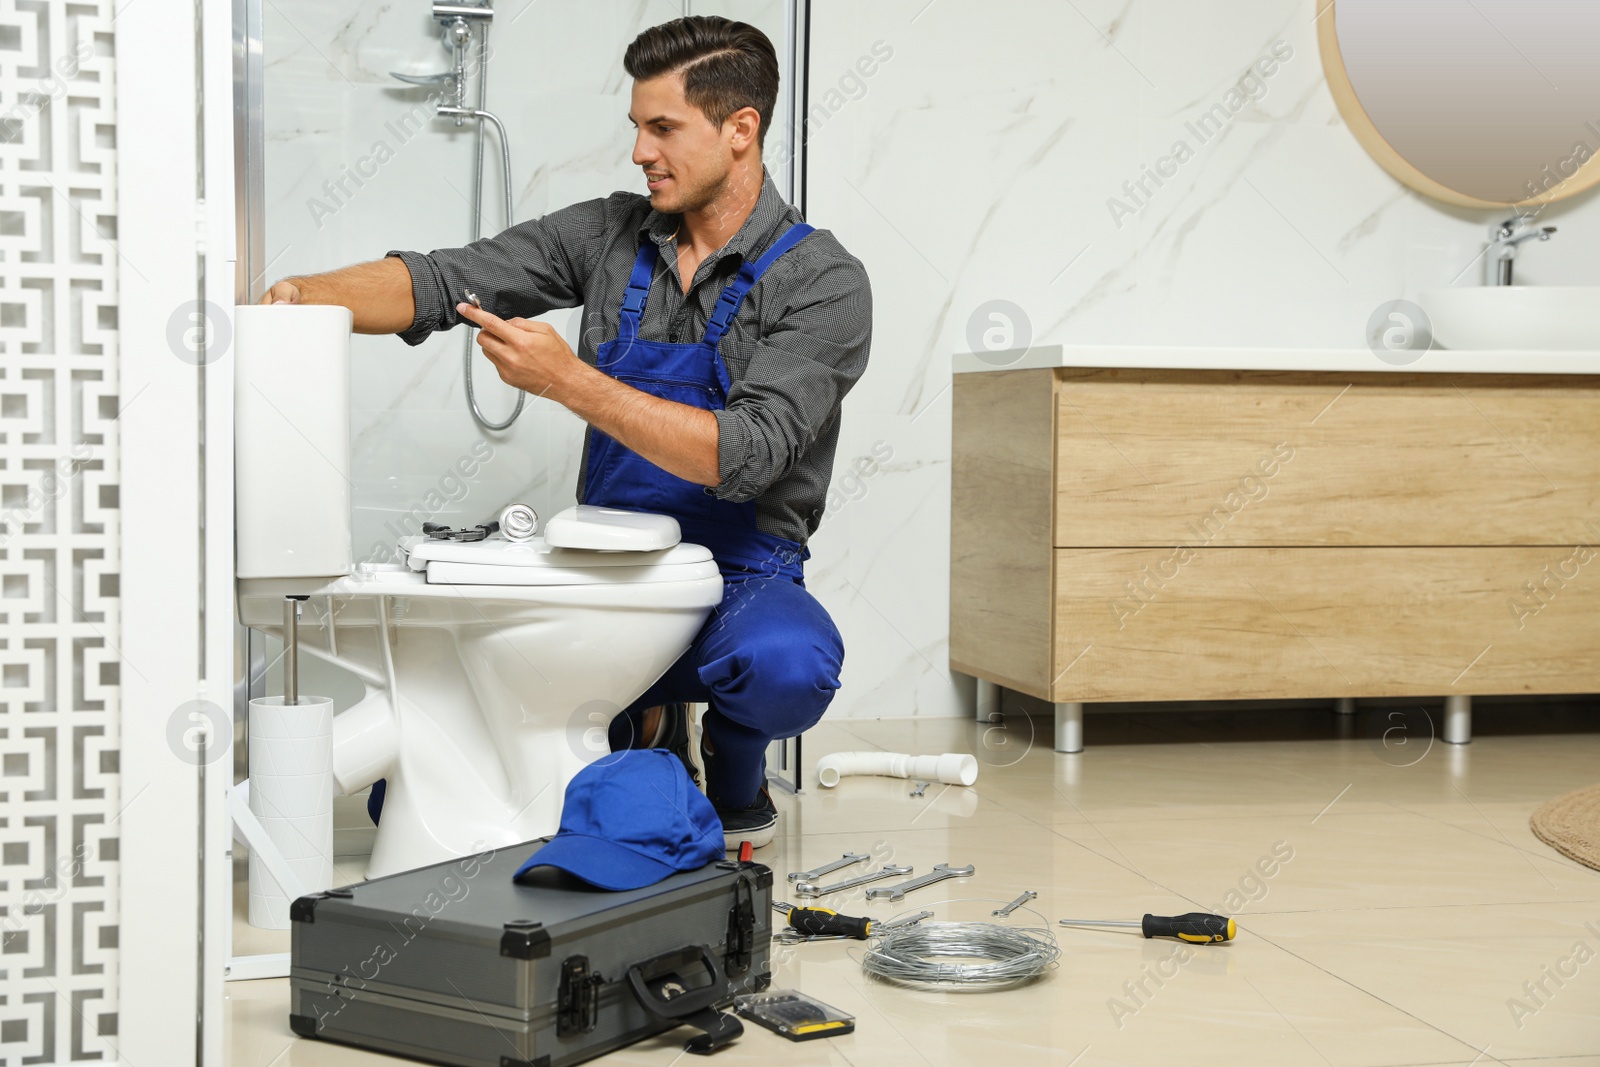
(59, 608)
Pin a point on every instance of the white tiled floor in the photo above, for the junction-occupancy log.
(1414, 908)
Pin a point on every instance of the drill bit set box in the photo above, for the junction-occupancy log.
(459, 964)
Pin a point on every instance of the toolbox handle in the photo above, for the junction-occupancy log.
(684, 1003)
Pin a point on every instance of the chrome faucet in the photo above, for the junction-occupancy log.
(1504, 237)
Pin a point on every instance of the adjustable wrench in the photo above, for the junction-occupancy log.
(939, 873)
(806, 889)
(828, 868)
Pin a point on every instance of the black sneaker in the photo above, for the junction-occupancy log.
(673, 734)
(756, 824)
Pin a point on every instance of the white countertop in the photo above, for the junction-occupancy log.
(1167, 357)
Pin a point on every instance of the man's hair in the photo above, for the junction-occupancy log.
(726, 65)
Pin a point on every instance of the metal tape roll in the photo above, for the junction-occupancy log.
(518, 522)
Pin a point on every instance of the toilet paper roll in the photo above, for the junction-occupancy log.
(518, 522)
(291, 795)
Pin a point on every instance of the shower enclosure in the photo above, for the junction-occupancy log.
(341, 162)
(338, 161)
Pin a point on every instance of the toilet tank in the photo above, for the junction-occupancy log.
(291, 427)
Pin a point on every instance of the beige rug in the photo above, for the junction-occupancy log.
(1570, 824)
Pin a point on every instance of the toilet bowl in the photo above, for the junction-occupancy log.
(492, 670)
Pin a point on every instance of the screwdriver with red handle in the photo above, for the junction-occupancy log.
(1199, 927)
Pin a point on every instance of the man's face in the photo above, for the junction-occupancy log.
(686, 160)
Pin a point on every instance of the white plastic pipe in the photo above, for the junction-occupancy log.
(952, 768)
(366, 740)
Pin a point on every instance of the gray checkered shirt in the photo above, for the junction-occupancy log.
(798, 343)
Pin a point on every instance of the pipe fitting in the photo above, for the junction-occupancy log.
(366, 742)
(951, 768)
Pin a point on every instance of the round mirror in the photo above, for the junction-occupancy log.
(1480, 103)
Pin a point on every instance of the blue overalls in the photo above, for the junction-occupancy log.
(767, 659)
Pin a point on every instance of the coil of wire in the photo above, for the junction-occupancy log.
(974, 955)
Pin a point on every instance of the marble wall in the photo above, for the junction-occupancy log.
(966, 153)
(977, 164)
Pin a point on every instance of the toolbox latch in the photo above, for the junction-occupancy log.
(525, 939)
(741, 927)
(577, 998)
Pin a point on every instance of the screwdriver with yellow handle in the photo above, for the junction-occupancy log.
(825, 922)
(1199, 927)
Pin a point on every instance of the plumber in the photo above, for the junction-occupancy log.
(723, 333)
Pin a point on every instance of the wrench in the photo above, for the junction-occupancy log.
(939, 873)
(828, 868)
(907, 920)
(1015, 904)
(920, 789)
(792, 936)
(806, 889)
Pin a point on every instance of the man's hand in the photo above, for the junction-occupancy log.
(282, 292)
(533, 357)
(529, 355)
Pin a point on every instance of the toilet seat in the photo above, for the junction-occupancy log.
(496, 561)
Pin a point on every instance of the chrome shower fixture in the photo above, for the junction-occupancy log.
(458, 22)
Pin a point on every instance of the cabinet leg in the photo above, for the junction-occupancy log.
(1458, 720)
(1344, 706)
(988, 701)
(1069, 726)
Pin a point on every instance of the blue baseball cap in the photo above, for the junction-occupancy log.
(631, 819)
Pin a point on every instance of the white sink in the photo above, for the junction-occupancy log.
(1520, 317)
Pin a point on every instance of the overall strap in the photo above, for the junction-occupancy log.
(638, 290)
(749, 273)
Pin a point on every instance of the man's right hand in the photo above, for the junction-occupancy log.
(378, 294)
(282, 292)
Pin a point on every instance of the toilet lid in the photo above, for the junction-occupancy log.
(589, 526)
(496, 561)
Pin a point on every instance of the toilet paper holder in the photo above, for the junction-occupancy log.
(298, 796)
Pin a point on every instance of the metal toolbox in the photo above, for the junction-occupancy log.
(457, 964)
